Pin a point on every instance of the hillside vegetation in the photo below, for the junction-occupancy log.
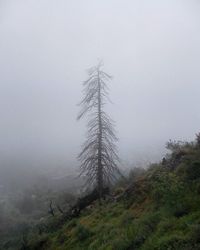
(158, 208)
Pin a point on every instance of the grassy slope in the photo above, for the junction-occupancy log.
(161, 211)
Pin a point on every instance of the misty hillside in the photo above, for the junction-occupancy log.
(156, 209)
(90, 92)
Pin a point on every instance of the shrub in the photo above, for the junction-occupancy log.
(144, 228)
(181, 209)
(193, 171)
(167, 189)
(82, 232)
(172, 242)
(195, 234)
(126, 219)
(71, 224)
(119, 244)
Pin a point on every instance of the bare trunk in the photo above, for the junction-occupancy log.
(100, 169)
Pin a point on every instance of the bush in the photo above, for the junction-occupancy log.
(167, 189)
(172, 242)
(119, 244)
(181, 209)
(71, 224)
(126, 219)
(82, 232)
(195, 234)
(144, 229)
(193, 171)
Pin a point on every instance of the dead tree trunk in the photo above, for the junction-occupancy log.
(51, 209)
(99, 155)
(100, 170)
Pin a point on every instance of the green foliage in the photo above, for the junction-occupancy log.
(195, 234)
(170, 242)
(162, 212)
(82, 232)
(193, 170)
(168, 189)
(126, 219)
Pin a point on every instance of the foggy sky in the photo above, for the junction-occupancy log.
(151, 48)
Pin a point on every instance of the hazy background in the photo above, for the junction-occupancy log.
(152, 49)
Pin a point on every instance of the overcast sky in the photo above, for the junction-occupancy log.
(151, 48)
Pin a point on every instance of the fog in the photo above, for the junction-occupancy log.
(151, 48)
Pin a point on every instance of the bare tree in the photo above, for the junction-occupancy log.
(51, 209)
(99, 154)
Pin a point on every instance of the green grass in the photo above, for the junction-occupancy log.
(161, 213)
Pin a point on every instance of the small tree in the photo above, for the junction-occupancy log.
(99, 155)
(198, 139)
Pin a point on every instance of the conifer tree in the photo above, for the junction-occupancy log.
(99, 159)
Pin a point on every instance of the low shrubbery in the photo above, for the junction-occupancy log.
(158, 210)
